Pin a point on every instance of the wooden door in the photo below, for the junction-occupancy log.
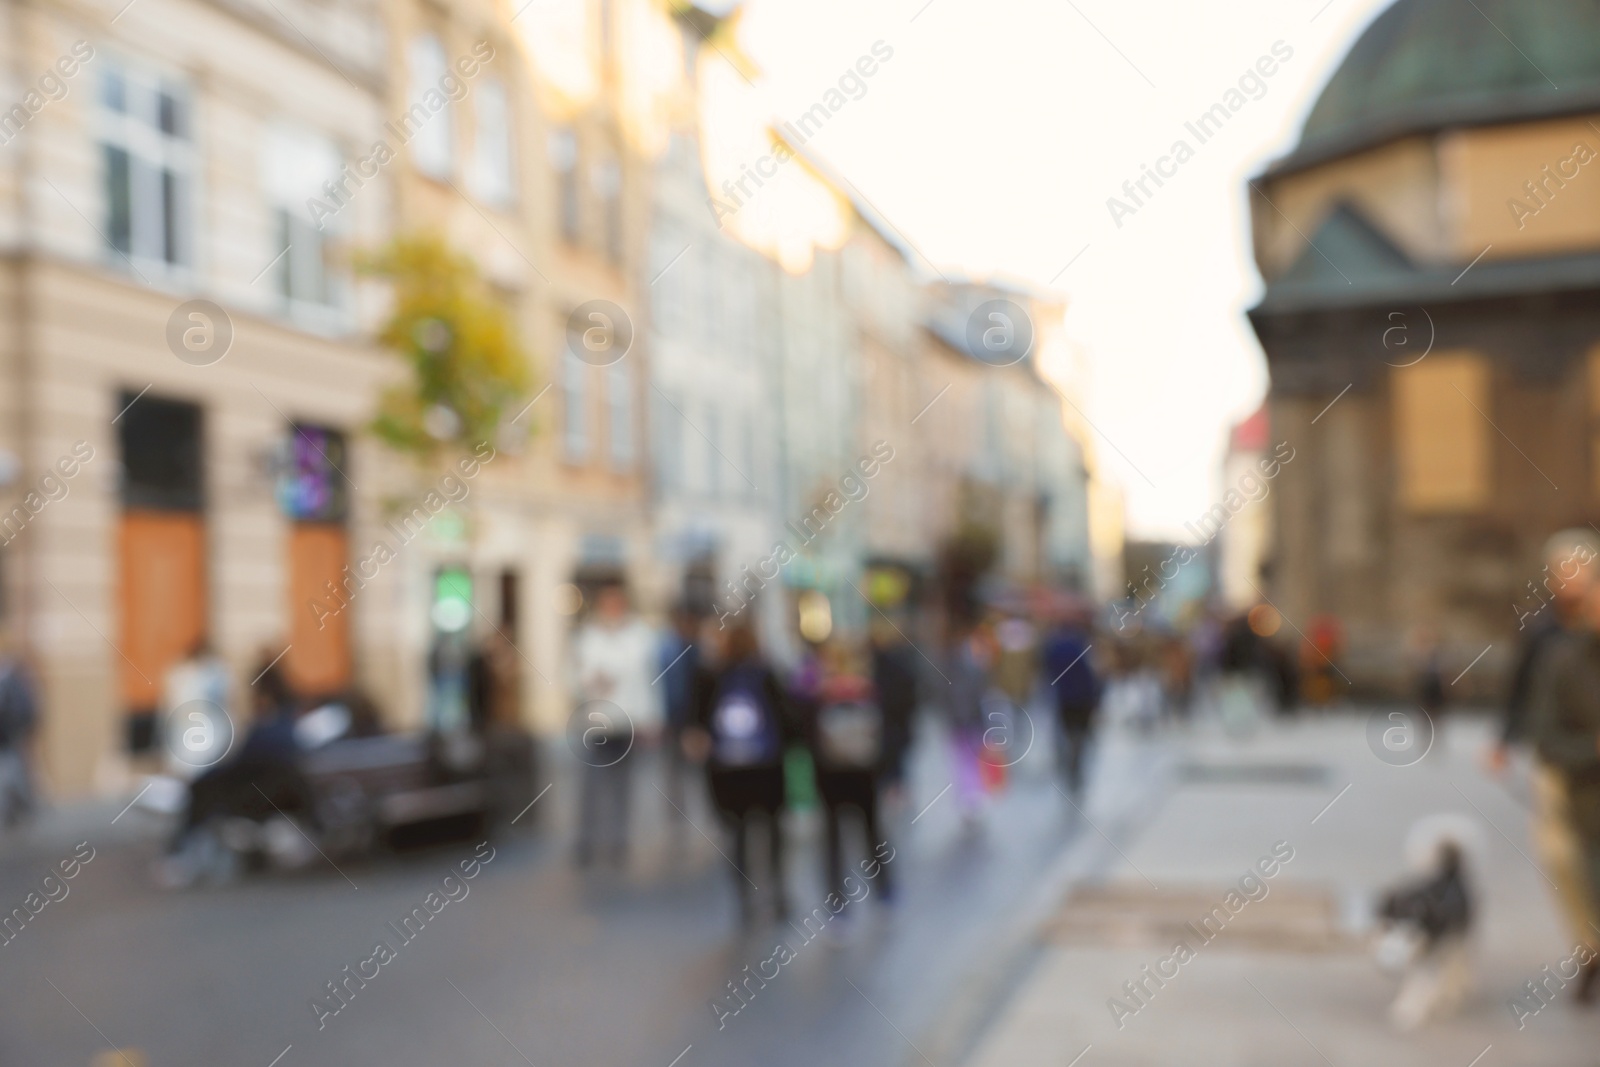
(162, 598)
(319, 661)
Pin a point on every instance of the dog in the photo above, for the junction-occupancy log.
(1427, 923)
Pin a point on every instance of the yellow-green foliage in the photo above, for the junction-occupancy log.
(457, 339)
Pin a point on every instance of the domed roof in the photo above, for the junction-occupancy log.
(1430, 64)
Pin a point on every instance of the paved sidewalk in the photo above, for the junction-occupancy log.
(1241, 1002)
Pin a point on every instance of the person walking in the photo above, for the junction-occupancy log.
(680, 668)
(970, 660)
(620, 710)
(845, 730)
(1069, 674)
(19, 718)
(895, 671)
(1571, 560)
(743, 719)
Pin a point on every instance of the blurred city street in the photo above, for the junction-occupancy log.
(571, 969)
(700, 533)
(972, 965)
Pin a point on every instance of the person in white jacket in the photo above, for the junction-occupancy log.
(619, 711)
(196, 711)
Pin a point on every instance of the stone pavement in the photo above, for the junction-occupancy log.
(1248, 998)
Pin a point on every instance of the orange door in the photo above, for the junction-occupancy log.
(163, 598)
(318, 661)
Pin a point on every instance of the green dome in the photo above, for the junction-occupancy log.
(1425, 65)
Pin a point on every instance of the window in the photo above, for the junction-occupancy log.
(298, 163)
(713, 458)
(747, 456)
(491, 158)
(619, 414)
(427, 117)
(162, 454)
(670, 271)
(669, 446)
(147, 153)
(607, 179)
(575, 423)
(1442, 429)
(608, 30)
(564, 158)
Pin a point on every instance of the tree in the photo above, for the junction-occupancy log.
(467, 367)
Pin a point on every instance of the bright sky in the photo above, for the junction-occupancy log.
(995, 134)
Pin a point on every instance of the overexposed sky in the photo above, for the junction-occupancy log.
(995, 134)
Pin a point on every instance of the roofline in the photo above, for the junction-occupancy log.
(1439, 283)
(1432, 120)
(831, 177)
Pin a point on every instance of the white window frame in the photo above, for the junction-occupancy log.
(152, 153)
(623, 448)
(308, 246)
(494, 156)
(574, 408)
(433, 144)
(564, 154)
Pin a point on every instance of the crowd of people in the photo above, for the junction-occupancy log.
(833, 730)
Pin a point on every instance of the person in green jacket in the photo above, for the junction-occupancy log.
(1564, 728)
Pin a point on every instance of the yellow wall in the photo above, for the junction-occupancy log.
(1393, 186)
(1447, 199)
(1485, 169)
(1442, 433)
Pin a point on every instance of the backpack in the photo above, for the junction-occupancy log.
(849, 735)
(744, 725)
(1069, 671)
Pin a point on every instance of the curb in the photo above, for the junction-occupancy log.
(992, 982)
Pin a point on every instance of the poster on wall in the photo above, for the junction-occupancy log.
(313, 486)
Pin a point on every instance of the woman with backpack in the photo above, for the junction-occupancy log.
(846, 734)
(742, 724)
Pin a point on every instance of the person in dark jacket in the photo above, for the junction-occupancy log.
(743, 721)
(260, 776)
(1069, 674)
(681, 665)
(19, 719)
(895, 670)
(1546, 625)
(1564, 727)
(845, 731)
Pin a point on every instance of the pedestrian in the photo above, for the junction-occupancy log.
(1015, 667)
(1427, 672)
(19, 718)
(1557, 838)
(970, 660)
(616, 664)
(202, 677)
(895, 672)
(844, 727)
(257, 779)
(743, 719)
(1564, 726)
(1069, 674)
(680, 667)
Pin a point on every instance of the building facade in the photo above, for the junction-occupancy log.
(1431, 324)
(176, 325)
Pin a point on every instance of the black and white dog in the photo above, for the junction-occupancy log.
(1427, 922)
